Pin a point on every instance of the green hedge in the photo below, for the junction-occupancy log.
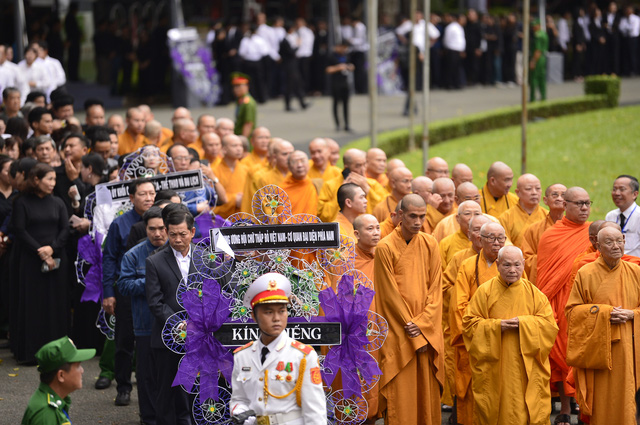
(395, 142)
(606, 85)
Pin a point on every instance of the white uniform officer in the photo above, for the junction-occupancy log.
(276, 377)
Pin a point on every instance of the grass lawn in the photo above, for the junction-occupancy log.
(588, 150)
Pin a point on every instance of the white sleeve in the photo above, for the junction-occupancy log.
(434, 33)
(239, 402)
(314, 410)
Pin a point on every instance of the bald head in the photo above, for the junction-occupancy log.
(224, 126)
(475, 225)
(352, 199)
(499, 179)
(367, 231)
(153, 130)
(436, 168)
(376, 162)
(135, 121)
(146, 110)
(467, 191)
(529, 191)
(422, 186)
(510, 264)
(466, 211)
(298, 165)
(394, 163)
(319, 152)
(400, 181)
(611, 245)
(554, 197)
(444, 187)
(412, 201)
(281, 151)
(461, 173)
(493, 238)
(577, 204)
(355, 160)
(180, 113)
(334, 150)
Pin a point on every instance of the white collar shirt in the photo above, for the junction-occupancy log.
(454, 37)
(183, 262)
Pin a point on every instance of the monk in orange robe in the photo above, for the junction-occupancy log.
(526, 212)
(553, 198)
(446, 190)
(400, 182)
(376, 166)
(391, 222)
(495, 197)
(206, 124)
(603, 314)
(231, 173)
(437, 168)
(352, 203)
(458, 241)
(461, 173)
(319, 165)
(132, 138)
(211, 148)
(255, 161)
(302, 193)
(408, 275)
(558, 248)
(509, 330)
(466, 191)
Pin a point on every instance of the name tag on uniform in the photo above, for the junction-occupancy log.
(246, 368)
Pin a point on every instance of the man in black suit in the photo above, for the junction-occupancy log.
(164, 270)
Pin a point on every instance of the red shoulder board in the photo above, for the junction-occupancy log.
(306, 349)
(246, 100)
(237, 350)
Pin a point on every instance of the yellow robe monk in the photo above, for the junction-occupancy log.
(590, 257)
(329, 173)
(434, 216)
(382, 179)
(386, 227)
(558, 248)
(515, 220)
(606, 395)
(255, 180)
(408, 289)
(346, 227)
(197, 146)
(328, 199)
(451, 245)
(449, 225)
(495, 207)
(302, 195)
(384, 208)
(510, 369)
(127, 144)
(233, 182)
(530, 241)
(165, 144)
(214, 163)
(166, 133)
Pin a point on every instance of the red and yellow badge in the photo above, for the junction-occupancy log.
(246, 100)
(272, 285)
(316, 377)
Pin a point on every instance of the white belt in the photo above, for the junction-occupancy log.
(279, 418)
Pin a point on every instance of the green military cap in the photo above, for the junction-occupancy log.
(54, 354)
(535, 22)
(239, 78)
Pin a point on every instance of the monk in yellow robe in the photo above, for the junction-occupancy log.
(391, 222)
(319, 165)
(461, 173)
(603, 312)
(132, 138)
(458, 241)
(400, 182)
(466, 191)
(352, 202)
(526, 212)
(446, 190)
(302, 193)
(376, 166)
(473, 272)
(231, 173)
(553, 198)
(255, 161)
(408, 274)
(206, 124)
(558, 248)
(437, 168)
(495, 197)
(355, 163)
(184, 133)
(509, 330)
(211, 148)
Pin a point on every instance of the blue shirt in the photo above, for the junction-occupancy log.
(114, 248)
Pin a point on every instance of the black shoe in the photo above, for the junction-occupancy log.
(348, 129)
(102, 383)
(123, 398)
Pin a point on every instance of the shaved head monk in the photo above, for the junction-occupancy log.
(320, 167)
(132, 138)
(376, 165)
(391, 222)
(437, 168)
(212, 148)
(400, 183)
(334, 151)
(606, 394)
(407, 274)
(352, 202)
(224, 126)
(255, 162)
(624, 195)
(558, 248)
(461, 173)
(355, 164)
(423, 186)
(466, 191)
(509, 314)
(302, 193)
(459, 240)
(495, 197)
(232, 174)
(526, 212)
(180, 113)
(554, 199)
(444, 188)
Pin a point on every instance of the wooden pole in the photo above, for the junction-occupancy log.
(525, 83)
(412, 78)
(426, 87)
(372, 28)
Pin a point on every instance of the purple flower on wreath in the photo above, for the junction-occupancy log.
(89, 249)
(205, 355)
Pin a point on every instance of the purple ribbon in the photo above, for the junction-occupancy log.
(205, 355)
(90, 251)
(350, 308)
(205, 222)
(205, 56)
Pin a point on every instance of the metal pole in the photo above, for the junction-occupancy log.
(372, 27)
(20, 35)
(525, 81)
(426, 87)
(542, 12)
(412, 77)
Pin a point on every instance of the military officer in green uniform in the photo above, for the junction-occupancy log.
(246, 108)
(60, 375)
(538, 63)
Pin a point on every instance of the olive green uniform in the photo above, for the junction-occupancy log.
(47, 408)
(246, 111)
(538, 76)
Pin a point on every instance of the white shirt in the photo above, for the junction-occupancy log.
(564, 35)
(11, 76)
(454, 37)
(183, 262)
(418, 34)
(583, 21)
(253, 48)
(270, 36)
(631, 228)
(306, 42)
(56, 73)
(280, 34)
(358, 38)
(404, 28)
(37, 72)
(630, 26)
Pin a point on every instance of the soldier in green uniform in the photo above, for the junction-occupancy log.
(246, 108)
(60, 375)
(538, 63)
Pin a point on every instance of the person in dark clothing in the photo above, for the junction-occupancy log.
(473, 36)
(319, 58)
(339, 69)
(74, 38)
(611, 23)
(579, 50)
(598, 44)
(493, 39)
(510, 46)
(293, 80)
(54, 39)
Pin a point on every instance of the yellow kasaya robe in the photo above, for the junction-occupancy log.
(167, 133)
(495, 207)
(127, 144)
(386, 227)
(382, 179)
(530, 241)
(434, 216)
(214, 163)
(451, 245)
(233, 182)
(408, 289)
(607, 396)
(510, 369)
(384, 208)
(346, 227)
(261, 176)
(197, 146)
(328, 199)
(165, 144)
(515, 220)
(449, 225)
(329, 173)
(302, 195)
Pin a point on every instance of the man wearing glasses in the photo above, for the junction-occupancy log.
(559, 247)
(624, 194)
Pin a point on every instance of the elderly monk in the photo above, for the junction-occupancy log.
(473, 272)
(212, 148)
(352, 202)
(302, 193)
(319, 166)
(423, 186)
(391, 222)
(400, 182)
(558, 248)
(206, 124)
(603, 313)
(526, 212)
(392, 164)
(355, 164)
(116, 122)
(279, 153)
(148, 117)
(461, 173)
(437, 168)
(466, 191)
(509, 330)
(624, 195)
(443, 187)
(495, 197)
(408, 274)
(224, 126)
(334, 151)
(152, 133)
(184, 133)
(231, 173)
(259, 143)
(376, 166)
(181, 113)
(553, 198)
(132, 138)
(459, 241)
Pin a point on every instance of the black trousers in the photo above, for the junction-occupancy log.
(452, 62)
(146, 380)
(172, 403)
(340, 95)
(360, 73)
(124, 342)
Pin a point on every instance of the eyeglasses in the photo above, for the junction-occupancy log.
(492, 238)
(581, 204)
